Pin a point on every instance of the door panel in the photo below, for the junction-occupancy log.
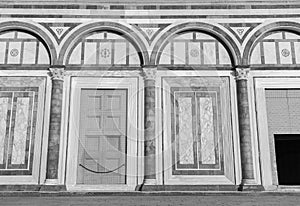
(102, 141)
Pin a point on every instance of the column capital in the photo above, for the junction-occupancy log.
(149, 72)
(57, 72)
(242, 73)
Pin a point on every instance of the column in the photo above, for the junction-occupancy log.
(149, 74)
(57, 75)
(244, 126)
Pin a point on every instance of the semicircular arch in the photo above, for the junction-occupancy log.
(263, 32)
(201, 27)
(112, 27)
(35, 31)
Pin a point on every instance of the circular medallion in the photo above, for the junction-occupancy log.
(14, 52)
(194, 52)
(105, 53)
(285, 52)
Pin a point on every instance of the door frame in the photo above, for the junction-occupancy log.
(131, 85)
(266, 146)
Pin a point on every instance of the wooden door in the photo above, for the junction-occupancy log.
(102, 137)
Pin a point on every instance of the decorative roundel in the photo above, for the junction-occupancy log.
(285, 52)
(194, 52)
(14, 52)
(105, 53)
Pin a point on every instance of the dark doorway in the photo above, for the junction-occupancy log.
(287, 147)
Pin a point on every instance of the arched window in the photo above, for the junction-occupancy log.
(104, 48)
(17, 47)
(194, 48)
(277, 48)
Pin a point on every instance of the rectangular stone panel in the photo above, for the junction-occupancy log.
(285, 53)
(22, 126)
(14, 55)
(185, 137)
(209, 51)
(90, 49)
(194, 53)
(5, 108)
(179, 53)
(2, 52)
(120, 53)
(29, 55)
(20, 133)
(269, 49)
(105, 53)
(207, 137)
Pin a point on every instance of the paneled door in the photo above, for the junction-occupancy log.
(102, 140)
(103, 135)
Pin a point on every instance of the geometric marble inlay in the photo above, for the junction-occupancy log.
(195, 130)
(240, 31)
(16, 125)
(207, 131)
(59, 31)
(20, 131)
(185, 133)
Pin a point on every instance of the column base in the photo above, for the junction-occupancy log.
(252, 188)
(250, 185)
(53, 188)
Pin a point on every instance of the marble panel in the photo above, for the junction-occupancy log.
(4, 107)
(256, 56)
(2, 52)
(29, 55)
(14, 53)
(105, 53)
(209, 51)
(75, 57)
(90, 49)
(185, 134)
(165, 57)
(43, 57)
(179, 53)
(207, 131)
(120, 53)
(270, 53)
(20, 130)
(285, 52)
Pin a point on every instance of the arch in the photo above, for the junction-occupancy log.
(262, 32)
(209, 29)
(35, 31)
(104, 26)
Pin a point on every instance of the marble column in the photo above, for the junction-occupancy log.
(244, 125)
(57, 75)
(149, 74)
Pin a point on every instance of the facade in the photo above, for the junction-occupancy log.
(149, 96)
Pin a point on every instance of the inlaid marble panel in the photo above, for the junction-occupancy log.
(197, 125)
(4, 107)
(20, 130)
(185, 133)
(207, 131)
